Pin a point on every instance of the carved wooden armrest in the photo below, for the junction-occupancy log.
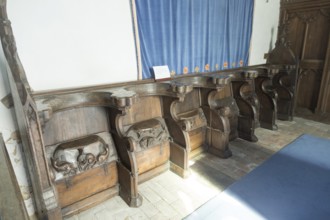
(246, 109)
(181, 89)
(249, 74)
(123, 98)
(224, 111)
(221, 80)
(283, 84)
(247, 93)
(253, 99)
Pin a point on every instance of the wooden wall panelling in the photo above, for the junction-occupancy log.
(74, 123)
(309, 80)
(312, 59)
(308, 33)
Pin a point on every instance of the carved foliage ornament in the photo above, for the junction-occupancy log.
(149, 133)
(306, 17)
(309, 16)
(77, 156)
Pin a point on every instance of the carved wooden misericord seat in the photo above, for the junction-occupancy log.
(284, 83)
(219, 108)
(283, 64)
(142, 140)
(223, 102)
(247, 102)
(194, 121)
(80, 152)
(267, 96)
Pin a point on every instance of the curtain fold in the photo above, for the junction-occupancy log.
(193, 36)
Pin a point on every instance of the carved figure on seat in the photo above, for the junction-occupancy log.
(142, 141)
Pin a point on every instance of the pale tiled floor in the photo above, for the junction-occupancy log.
(168, 196)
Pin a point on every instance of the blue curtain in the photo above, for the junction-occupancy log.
(193, 36)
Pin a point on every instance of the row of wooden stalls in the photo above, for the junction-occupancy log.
(85, 145)
(91, 145)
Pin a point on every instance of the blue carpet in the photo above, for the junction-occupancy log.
(293, 184)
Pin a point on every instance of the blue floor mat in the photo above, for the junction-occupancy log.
(293, 184)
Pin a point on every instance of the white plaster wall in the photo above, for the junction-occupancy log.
(8, 128)
(72, 43)
(264, 29)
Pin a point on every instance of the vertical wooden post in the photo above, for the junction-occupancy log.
(323, 105)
